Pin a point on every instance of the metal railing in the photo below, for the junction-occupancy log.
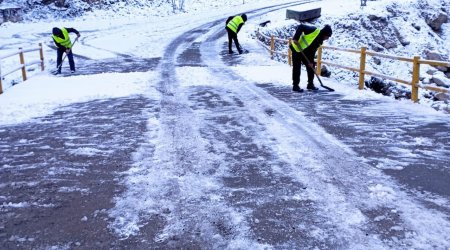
(22, 66)
(416, 62)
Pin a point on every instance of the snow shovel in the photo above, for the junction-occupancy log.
(54, 72)
(309, 65)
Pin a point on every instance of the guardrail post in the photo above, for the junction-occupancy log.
(319, 61)
(289, 52)
(272, 46)
(22, 61)
(41, 54)
(415, 79)
(362, 68)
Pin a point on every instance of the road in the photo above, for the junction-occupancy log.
(221, 161)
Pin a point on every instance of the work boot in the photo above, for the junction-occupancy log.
(296, 88)
(311, 87)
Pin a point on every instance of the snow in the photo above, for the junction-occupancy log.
(159, 182)
(43, 93)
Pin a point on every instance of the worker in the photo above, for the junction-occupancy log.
(307, 39)
(233, 26)
(62, 40)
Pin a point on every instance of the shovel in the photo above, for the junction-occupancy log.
(65, 55)
(309, 65)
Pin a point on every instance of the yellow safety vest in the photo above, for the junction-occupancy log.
(234, 23)
(305, 40)
(64, 42)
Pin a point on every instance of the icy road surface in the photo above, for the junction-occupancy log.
(215, 154)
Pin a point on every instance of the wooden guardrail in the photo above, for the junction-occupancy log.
(416, 62)
(22, 65)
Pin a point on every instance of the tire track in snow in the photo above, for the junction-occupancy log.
(172, 183)
(183, 161)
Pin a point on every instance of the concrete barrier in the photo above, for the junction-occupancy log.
(303, 15)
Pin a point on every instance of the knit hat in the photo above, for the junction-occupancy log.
(56, 32)
(244, 17)
(327, 31)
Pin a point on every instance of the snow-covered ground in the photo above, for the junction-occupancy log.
(220, 156)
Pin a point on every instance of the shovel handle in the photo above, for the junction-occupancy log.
(65, 55)
(318, 77)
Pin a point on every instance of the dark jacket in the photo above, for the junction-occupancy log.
(302, 28)
(61, 35)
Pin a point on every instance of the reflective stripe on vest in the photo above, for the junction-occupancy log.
(64, 42)
(234, 23)
(305, 40)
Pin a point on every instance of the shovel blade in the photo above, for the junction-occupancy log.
(327, 88)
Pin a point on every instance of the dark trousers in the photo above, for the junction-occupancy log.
(232, 36)
(60, 53)
(297, 60)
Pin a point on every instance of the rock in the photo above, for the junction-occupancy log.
(444, 97)
(437, 56)
(376, 83)
(434, 55)
(403, 40)
(376, 60)
(431, 71)
(441, 81)
(373, 17)
(417, 27)
(324, 71)
(390, 44)
(376, 47)
(427, 95)
(435, 20)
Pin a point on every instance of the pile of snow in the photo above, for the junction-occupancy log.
(407, 28)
